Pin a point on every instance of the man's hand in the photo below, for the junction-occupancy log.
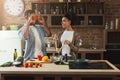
(41, 20)
(32, 19)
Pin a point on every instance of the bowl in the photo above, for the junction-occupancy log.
(57, 62)
(17, 64)
(13, 27)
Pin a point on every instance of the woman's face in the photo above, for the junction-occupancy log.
(65, 22)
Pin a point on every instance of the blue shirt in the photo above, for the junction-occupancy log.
(30, 41)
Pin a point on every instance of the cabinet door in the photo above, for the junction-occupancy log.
(95, 20)
(56, 20)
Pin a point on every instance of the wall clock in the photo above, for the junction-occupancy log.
(14, 7)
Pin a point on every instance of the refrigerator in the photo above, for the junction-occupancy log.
(9, 41)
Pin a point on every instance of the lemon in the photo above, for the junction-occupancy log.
(45, 58)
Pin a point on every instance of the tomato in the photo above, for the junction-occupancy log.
(39, 57)
(40, 65)
(36, 65)
(34, 18)
(30, 65)
(25, 64)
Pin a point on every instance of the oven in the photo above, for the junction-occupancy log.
(112, 53)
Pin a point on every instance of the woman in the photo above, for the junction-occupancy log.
(68, 39)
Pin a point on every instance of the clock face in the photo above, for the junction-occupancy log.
(14, 7)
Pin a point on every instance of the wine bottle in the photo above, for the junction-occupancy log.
(66, 58)
(15, 54)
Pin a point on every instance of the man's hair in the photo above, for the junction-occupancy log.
(28, 13)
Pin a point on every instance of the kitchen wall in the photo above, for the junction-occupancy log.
(112, 11)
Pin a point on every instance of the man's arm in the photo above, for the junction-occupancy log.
(47, 30)
(42, 21)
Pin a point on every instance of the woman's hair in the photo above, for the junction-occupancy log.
(71, 16)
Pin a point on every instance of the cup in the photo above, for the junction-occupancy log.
(48, 44)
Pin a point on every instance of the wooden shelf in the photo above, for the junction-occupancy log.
(83, 10)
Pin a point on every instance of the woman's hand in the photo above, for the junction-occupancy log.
(67, 42)
(55, 37)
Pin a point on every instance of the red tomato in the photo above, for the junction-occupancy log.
(25, 64)
(39, 57)
(30, 65)
(34, 18)
(36, 65)
(40, 65)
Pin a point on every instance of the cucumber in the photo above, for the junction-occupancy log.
(7, 64)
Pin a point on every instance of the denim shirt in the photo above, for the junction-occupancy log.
(30, 41)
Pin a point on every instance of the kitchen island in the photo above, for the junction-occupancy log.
(51, 71)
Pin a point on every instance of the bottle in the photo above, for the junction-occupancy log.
(106, 25)
(57, 10)
(51, 10)
(15, 54)
(74, 9)
(45, 9)
(111, 24)
(81, 10)
(36, 8)
(66, 58)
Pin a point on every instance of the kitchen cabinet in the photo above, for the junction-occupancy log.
(88, 14)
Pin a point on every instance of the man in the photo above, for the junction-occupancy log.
(33, 32)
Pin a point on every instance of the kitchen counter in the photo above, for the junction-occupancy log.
(82, 51)
(51, 69)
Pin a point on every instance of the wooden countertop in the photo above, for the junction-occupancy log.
(51, 68)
